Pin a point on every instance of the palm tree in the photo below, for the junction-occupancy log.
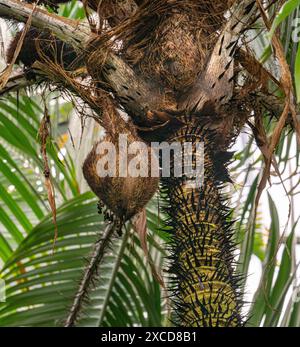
(185, 71)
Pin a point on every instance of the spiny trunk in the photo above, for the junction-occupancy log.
(205, 287)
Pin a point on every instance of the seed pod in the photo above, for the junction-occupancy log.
(124, 196)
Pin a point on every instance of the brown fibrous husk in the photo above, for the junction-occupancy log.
(124, 196)
(168, 41)
(37, 42)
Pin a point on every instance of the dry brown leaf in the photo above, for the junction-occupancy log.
(287, 85)
(44, 133)
(140, 226)
(6, 73)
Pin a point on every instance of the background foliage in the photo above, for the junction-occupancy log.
(40, 284)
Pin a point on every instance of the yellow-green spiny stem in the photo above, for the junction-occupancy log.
(205, 287)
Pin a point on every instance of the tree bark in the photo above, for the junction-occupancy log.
(70, 31)
(202, 259)
(215, 83)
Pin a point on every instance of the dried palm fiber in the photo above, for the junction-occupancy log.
(55, 49)
(204, 285)
(113, 11)
(124, 196)
(227, 121)
(168, 41)
(75, 83)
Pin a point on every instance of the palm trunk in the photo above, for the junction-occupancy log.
(202, 261)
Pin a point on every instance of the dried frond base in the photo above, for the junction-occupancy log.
(37, 41)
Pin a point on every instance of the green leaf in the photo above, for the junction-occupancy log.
(273, 311)
(5, 249)
(287, 8)
(15, 209)
(39, 281)
(21, 187)
(262, 295)
(10, 226)
(248, 241)
(295, 314)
